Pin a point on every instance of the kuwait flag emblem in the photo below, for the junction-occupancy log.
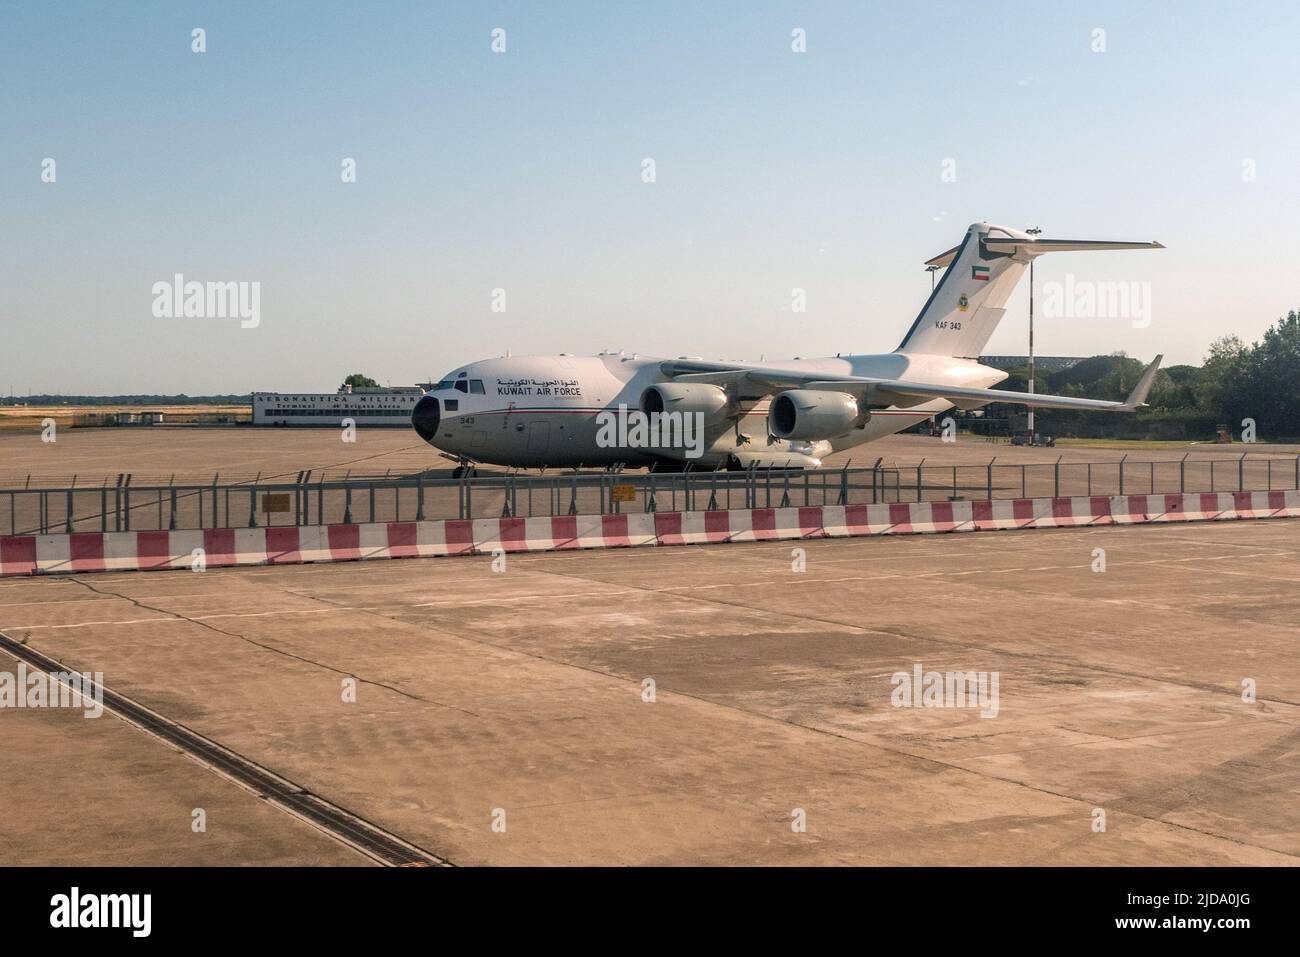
(979, 273)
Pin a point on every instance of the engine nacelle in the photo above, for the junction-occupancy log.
(685, 397)
(812, 414)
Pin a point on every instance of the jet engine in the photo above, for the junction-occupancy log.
(813, 414)
(686, 397)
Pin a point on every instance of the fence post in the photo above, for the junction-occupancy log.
(419, 498)
(990, 468)
(918, 479)
(1241, 473)
(1182, 474)
(68, 516)
(1121, 472)
(1056, 478)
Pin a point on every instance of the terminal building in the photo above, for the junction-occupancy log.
(383, 406)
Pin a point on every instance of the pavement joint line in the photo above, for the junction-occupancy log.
(671, 589)
(1108, 738)
(19, 626)
(57, 601)
(280, 651)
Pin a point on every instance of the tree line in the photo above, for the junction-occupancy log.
(1259, 381)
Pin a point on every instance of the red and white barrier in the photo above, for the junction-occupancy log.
(145, 551)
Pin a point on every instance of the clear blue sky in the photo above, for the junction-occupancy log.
(521, 170)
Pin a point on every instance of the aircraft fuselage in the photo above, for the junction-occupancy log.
(544, 411)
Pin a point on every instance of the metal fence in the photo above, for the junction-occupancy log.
(124, 506)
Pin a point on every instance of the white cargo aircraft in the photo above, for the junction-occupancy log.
(540, 411)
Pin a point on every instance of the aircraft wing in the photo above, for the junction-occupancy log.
(900, 392)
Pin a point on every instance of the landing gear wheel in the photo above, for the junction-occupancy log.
(461, 471)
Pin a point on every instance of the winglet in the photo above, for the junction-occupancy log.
(1138, 397)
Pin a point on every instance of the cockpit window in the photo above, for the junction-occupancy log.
(444, 384)
(476, 386)
(462, 385)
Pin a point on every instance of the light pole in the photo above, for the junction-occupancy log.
(1033, 231)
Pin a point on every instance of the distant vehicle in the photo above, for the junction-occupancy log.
(540, 411)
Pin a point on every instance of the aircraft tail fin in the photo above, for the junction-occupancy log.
(970, 298)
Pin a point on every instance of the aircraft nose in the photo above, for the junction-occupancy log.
(425, 417)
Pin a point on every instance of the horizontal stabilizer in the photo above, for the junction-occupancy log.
(1036, 247)
(944, 258)
(1039, 246)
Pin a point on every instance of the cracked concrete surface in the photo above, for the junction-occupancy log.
(524, 691)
